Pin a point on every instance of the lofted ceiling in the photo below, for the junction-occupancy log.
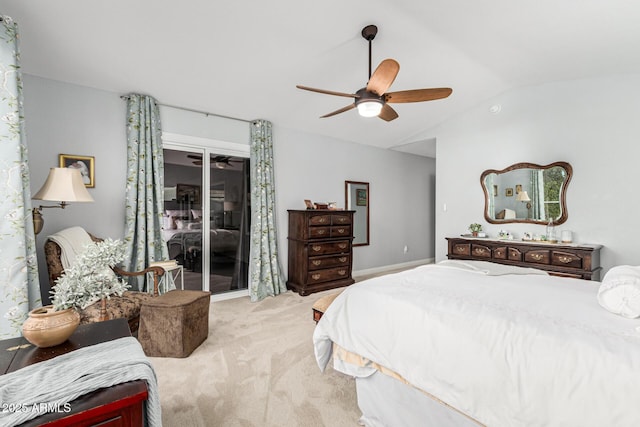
(243, 58)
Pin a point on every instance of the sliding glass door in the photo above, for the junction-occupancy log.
(206, 217)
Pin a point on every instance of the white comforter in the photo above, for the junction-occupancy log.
(506, 349)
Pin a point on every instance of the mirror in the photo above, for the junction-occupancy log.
(357, 199)
(526, 192)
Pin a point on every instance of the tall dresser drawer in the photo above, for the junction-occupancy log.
(317, 263)
(341, 231)
(328, 274)
(320, 220)
(319, 232)
(323, 248)
(340, 219)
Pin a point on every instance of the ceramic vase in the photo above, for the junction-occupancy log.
(46, 327)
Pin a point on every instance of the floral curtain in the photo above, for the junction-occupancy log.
(19, 286)
(265, 273)
(145, 186)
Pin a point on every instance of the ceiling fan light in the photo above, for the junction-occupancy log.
(370, 108)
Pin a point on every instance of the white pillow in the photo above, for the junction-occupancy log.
(177, 213)
(620, 291)
(194, 226)
(168, 223)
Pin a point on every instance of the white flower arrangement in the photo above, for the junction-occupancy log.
(90, 278)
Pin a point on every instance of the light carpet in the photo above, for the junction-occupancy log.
(256, 368)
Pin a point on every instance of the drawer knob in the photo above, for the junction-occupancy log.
(315, 276)
(342, 219)
(537, 257)
(565, 259)
(459, 249)
(341, 230)
(342, 245)
(342, 259)
(322, 220)
(321, 231)
(342, 272)
(316, 262)
(316, 248)
(480, 251)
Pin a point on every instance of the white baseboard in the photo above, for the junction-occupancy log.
(385, 268)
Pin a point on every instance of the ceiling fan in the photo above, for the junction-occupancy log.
(373, 100)
(220, 162)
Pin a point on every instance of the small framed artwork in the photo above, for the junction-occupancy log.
(188, 193)
(361, 197)
(518, 188)
(495, 191)
(309, 204)
(86, 165)
(527, 236)
(508, 192)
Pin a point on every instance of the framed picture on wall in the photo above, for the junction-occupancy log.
(518, 188)
(86, 165)
(188, 193)
(361, 197)
(508, 192)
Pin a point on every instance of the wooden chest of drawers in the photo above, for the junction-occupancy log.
(320, 250)
(578, 261)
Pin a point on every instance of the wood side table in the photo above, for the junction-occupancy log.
(120, 405)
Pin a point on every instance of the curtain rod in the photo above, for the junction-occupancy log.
(126, 97)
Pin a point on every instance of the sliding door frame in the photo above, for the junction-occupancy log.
(206, 147)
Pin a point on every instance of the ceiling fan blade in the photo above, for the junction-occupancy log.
(418, 95)
(342, 110)
(388, 113)
(383, 76)
(328, 92)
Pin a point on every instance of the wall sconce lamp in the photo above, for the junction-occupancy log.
(524, 198)
(63, 185)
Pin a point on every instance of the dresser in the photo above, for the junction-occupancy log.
(320, 250)
(580, 261)
(118, 405)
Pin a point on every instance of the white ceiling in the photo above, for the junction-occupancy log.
(243, 58)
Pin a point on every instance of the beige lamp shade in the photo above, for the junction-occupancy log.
(64, 185)
(523, 197)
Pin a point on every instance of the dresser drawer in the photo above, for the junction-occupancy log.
(480, 251)
(500, 252)
(327, 275)
(319, 232)
(324, 248)
(537, 257)
(320, 219)
(515, 254)
(340, 219)
(317, 263)
(461, 249)
(340, 231)
(566, 259)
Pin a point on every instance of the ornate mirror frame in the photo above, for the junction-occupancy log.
(489, 194)
(356, 197)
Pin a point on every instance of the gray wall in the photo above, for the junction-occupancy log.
(592, 124)
(63, 118)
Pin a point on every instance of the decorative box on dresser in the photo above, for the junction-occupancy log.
(320, 250)
(580, 261)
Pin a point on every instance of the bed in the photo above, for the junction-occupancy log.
(468, 343)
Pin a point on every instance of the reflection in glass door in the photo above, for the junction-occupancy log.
(205, 227)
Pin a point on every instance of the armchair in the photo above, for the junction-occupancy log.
(127, 306)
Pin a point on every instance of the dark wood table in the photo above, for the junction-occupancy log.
(120, 405)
